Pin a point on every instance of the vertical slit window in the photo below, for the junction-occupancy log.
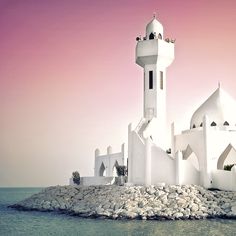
(151, 79)
(161, 80)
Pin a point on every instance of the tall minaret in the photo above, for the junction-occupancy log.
(155, 54)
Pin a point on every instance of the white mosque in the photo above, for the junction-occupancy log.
(197, 156)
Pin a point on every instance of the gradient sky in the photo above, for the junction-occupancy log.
(69, 82)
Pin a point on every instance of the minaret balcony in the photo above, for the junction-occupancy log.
(155, 51)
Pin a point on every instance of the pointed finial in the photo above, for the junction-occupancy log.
(218, 84)
(154, 15)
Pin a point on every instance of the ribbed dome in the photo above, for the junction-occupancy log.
(154, 27)
(219, 107)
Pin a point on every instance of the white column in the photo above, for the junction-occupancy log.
(148, 161)
(96, 167)
(179, 167)
(233, 178)
(97, 152)
(123, 154)
(206, 177)
(130, 152)
(173, 139)
(109, 167)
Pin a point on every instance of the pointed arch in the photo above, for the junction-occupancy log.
(151, 36)
(114, 169)
(159, 36)
(102, 170)
(226, 123)
(224, 155)
(189, 154)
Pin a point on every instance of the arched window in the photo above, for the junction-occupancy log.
(194, 126)
(151, 36)
(201, 125)
(213, 124)
(226, 123)
(159, 36)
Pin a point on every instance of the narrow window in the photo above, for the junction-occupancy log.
(226, 123)
(161, 79)
(201, 125)
(150, 79)
(159, 36)
(213, 124)
(194, 126)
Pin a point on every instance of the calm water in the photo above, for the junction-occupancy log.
(13, 222)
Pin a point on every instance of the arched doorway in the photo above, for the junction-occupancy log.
(102, 170)
(228, 157)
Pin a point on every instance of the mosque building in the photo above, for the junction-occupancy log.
(197, 156)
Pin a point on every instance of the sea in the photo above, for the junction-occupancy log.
(13, 222)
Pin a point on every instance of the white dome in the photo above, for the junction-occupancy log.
(154, 27)
(219, 108)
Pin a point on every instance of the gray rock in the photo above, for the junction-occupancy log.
(172, 195)
(178, 215)
(131, 215)
(151, 190)
(194, 207)
(233, 209)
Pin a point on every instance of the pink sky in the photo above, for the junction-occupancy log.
(69, 82)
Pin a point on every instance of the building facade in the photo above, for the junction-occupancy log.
(197, 155)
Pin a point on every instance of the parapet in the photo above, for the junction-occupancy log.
(110, 151)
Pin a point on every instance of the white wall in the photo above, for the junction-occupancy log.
(163, 167)
(195, 139)
(190, 173)
(110, 160)
(224, 180)
(138, 159)
(87, 181)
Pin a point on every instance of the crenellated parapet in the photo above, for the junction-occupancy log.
(109, 151)
(105, 164)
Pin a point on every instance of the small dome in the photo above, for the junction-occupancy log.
(154, 27)
(220, 109)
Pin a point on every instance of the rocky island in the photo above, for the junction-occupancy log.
(134, 202)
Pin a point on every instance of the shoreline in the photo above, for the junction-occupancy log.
(170, 202)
